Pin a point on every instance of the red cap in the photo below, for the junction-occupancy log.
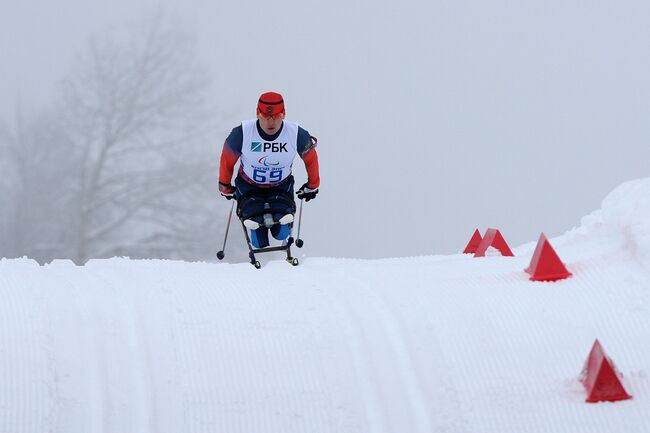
(271, 103)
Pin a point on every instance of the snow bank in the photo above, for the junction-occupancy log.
(627, 209)
(624, 218)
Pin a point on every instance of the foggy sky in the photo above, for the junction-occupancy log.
(433, 118)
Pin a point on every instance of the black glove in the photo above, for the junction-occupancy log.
(227, 190)
(306, 193)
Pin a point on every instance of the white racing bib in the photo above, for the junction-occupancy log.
(267, 162)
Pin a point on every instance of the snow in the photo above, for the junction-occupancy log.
(626, 210)
(422, 344)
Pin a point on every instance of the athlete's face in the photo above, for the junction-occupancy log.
(270, 124)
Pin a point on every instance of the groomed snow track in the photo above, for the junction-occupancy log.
(428, 344)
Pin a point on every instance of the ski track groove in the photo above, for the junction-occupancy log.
(436, 388)
(148, 334)
(143, 397)
(372, 407)
(379, 392)
(24, 364)
(406, 368)
(84, 379)
(94, 341)
(248, 341)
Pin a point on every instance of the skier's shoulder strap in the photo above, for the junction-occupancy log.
(248, 124)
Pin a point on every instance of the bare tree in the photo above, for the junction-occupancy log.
(140, 125)
(35, 187)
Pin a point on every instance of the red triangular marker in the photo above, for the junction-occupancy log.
(600, 377)
(545, 264)
(473, 243)
(493, 238)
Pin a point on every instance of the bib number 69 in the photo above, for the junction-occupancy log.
(261, 176)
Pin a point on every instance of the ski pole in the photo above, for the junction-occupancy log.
(299, 241)
(220, 254)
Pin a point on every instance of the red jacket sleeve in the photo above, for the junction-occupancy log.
(227, 165)
(311, 164)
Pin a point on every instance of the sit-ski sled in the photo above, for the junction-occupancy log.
(268, 223)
